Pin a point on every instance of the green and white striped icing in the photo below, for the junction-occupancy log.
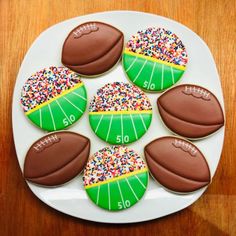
(120, 127)
(150, 74)
(62, 111)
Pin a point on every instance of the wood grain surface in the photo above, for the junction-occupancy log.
(21, 213)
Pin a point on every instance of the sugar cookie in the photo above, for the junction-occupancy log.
(92, 48)
(190, 111)
(177, 164)
(56, 158)
(120, 113)
(115, 178)
(54, 98)
(154, 59)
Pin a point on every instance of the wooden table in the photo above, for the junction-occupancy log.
(21, 213)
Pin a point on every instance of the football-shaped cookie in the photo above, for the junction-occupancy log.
(92, 48)
(190, 111)
(177, 164)
(56, 158)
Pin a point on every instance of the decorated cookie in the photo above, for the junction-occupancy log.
(120, 113)
(115, 178)
(190, 111)
(177, 164)
(54, 98)
(154, 59)
(56, 158)
(92, 48)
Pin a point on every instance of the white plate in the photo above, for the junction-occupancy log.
(71, 198)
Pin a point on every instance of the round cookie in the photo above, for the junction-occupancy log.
(115, 178)
(54, 98)
(154, 59)
(56, 158)
(92, 48)
(190, 111)
(177, 164)
(120, 113)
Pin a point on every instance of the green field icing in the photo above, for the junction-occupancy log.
(35, 118)
(146, 74)
(119, 194)
(155, 81)
(130, 197)
(61, 112)
(100, 125)
(142, 122)
(52, 117)
(141, 72)
(103, 196)
(93, 194)
(115, 195)
(142, 180)
(150, 75)
(120, 128)
(47, 119)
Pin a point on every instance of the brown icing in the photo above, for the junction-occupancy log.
(56, 158)
(175, 167)
(186, 129)
(186, 147)
(98, 66)
(190, 111)
(92, 48)
(46, 142)
(85, 29)
(196, 92)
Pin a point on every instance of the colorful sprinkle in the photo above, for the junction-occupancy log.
(160, 44)
(119, 96)
(111, 162)
(47, 84)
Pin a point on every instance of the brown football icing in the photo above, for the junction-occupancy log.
(92, 48)
(85, 29)
(197, 92)
(177, 164)
(56, 158)
(190, 111)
